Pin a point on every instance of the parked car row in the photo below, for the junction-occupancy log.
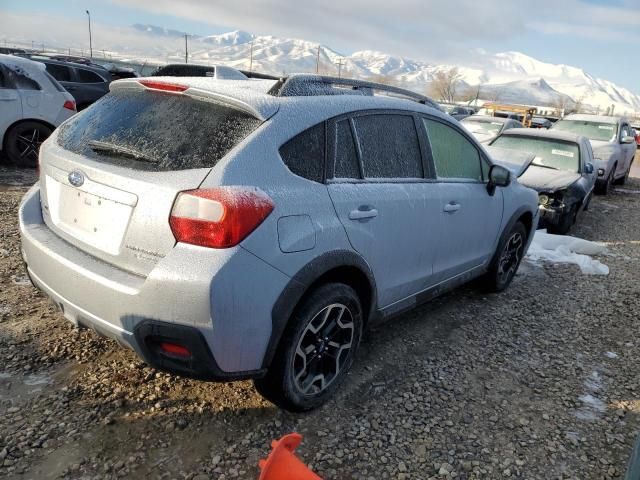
(253, 228)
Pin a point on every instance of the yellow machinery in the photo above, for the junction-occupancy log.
(525, 111)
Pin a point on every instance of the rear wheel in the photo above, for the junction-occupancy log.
(316, 351)
(507, 259)
(22, 143)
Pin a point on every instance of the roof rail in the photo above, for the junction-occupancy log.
(308, 85)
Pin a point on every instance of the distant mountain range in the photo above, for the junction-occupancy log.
(504, 77)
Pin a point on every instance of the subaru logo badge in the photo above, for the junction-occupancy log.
(76, 178)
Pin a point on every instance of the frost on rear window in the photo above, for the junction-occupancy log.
(166, 131)
(19, 78)
(389, 146)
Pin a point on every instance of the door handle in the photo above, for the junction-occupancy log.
(363, 213)
(451, 207)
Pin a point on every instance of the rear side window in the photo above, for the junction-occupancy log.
(3, 80)
(87, 76)
(59, 72)
(304, 153)
(453, 155)
(54, 82)
(389, 146)
(157, 131)
(346, 156)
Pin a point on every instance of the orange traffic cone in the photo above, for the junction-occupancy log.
(282, 464)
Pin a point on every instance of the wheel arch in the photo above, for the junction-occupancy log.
(343, 266)
(24, 120)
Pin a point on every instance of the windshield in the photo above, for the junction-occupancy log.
(480, 125)
(158, 131)
(548, 153)
(605, 132)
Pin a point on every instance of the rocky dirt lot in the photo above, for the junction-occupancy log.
(539, 382)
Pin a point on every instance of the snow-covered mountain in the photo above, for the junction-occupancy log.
(506, 77)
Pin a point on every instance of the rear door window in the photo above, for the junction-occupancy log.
(87, 76)
(157, 131)
(304, 154)
(346, 156)
(389, 146)
(61, 73)
(454, 156)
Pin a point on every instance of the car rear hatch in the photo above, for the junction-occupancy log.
(110, 175)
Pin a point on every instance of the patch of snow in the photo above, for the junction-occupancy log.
(611, 355)
(37, 379)
(20, 279)
(592, 407)
(565, 249)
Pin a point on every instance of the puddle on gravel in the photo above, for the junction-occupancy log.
(16, 387)
(13, 178)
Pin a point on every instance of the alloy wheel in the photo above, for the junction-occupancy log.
(323, 349)
(28, 145)
(510, 257)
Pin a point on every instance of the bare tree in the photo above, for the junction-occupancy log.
(444, 85)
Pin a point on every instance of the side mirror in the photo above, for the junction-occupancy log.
(588, 168)
(627, 139)
(499, 176)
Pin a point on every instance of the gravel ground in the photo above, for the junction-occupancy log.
(538, 382)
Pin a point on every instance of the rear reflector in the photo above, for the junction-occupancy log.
(167, 87)
(218, 217)
(175, 349)
(70, 105)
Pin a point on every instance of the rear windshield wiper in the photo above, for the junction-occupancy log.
(113, 149)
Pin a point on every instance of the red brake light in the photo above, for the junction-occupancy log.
(218, 217)
(175, 349)
(167, 87)
(70, 105)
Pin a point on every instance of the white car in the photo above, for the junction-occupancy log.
(32, 105)
(486, 128)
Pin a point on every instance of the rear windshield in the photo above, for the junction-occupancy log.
(605, 132)
(149, 130)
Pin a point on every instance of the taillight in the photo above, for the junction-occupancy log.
(218, 217)
(70, 105)
(167, 87)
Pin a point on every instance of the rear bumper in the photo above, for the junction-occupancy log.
(218, 299)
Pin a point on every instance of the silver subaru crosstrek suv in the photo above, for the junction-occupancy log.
(252, 229)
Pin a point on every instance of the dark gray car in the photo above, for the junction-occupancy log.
(558, 165)
(87, 83)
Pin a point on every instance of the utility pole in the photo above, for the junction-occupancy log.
(186, 49)
(251, 57)
(318, 61)
(340, 63)
(90, 40)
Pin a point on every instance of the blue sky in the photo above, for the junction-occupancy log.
(600, 36)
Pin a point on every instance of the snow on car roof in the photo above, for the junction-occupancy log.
(489, 118)
(21, 62)
(251, 95)
(584, 117)
(541, 133)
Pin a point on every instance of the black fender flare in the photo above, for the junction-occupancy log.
(302, 281)
(507, 228)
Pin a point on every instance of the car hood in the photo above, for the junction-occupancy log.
(601, 148)
(547, 179)
(514, 160)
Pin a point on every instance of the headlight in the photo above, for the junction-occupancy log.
(543, 200)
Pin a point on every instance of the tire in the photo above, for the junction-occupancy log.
(622, 180)
(293, 381)
(566, 223)
(605, 188)
(508, 255)
(22, 143)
